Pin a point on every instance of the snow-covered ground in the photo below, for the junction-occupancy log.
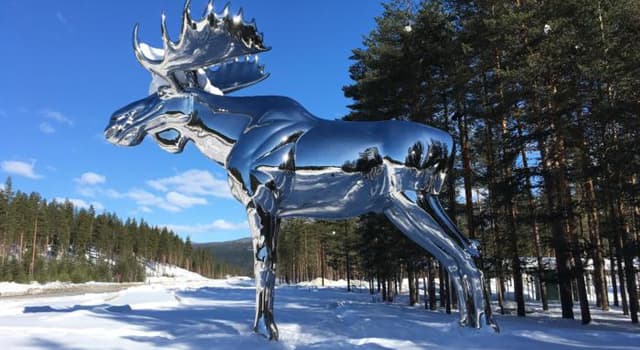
(180, 310)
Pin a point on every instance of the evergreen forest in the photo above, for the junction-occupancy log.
(51, 241)
(543, 100)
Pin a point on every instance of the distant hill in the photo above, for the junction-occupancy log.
(237, 253)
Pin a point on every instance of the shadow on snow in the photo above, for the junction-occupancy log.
(318, 318)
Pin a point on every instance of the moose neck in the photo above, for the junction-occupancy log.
(219, 121)
(215, 130)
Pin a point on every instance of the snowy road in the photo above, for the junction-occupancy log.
(217, 314)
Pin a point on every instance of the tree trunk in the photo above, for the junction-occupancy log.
(463, 127)
(567, 208)
(441, 286)
(599, 279)
(617, 237)
(515, 263)
(431, 282)
(384, 290)
(410, 278)
(628, 253)
(4, 249)
(33, 247)
(612, 265)
(500, 288)
(21, 245)
(621, 278)
(347, 261)
(416, 289)
(568, 214)
(425, 292)
(535, 233)
(511, 225)
(551, 174)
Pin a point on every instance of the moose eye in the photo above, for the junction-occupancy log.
(169, 135)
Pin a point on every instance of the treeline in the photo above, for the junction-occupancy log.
(367, 248)
(48, 241)
(543, 99)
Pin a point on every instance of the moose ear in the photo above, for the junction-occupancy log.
(156, 83)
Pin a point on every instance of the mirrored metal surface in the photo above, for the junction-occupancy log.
(283, 162)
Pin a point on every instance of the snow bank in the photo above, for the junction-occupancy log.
(333, 283)
(157, 272)
(8, 289)
(218, 314)
(11, 288)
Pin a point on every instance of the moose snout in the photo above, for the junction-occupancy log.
(125, 124)
(122, 136)
(111, 133)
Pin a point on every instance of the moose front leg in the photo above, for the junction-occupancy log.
(264, 230)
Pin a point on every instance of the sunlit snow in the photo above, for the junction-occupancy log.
(176, 309)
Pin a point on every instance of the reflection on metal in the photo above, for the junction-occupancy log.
(284, 162)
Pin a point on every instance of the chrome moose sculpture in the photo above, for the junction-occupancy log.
(282, 161)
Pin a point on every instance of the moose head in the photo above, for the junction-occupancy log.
(215, 55)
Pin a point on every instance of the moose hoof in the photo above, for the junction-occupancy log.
(492, 324)
(270, 332)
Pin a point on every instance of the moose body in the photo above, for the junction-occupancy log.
(344, 169)
(282, 161)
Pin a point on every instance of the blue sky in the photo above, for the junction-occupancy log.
(67, 65)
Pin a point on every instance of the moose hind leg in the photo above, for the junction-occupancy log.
(420, 227)
(431, 204)
(473, 280)
(264, 229)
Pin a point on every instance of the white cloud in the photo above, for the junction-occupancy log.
(82, 204)
(1, 187)
(88, 191)
(172, 201)
(111, 193)
(95, 191)
(47, 128)
(217, 225)
(226, 225)
(17, 167)
(184, 201)
(57, 116)
(193, 182)
(147, 199)
(177, 193)
(90, 178)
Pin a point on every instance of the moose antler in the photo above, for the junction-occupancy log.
(216, 38)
